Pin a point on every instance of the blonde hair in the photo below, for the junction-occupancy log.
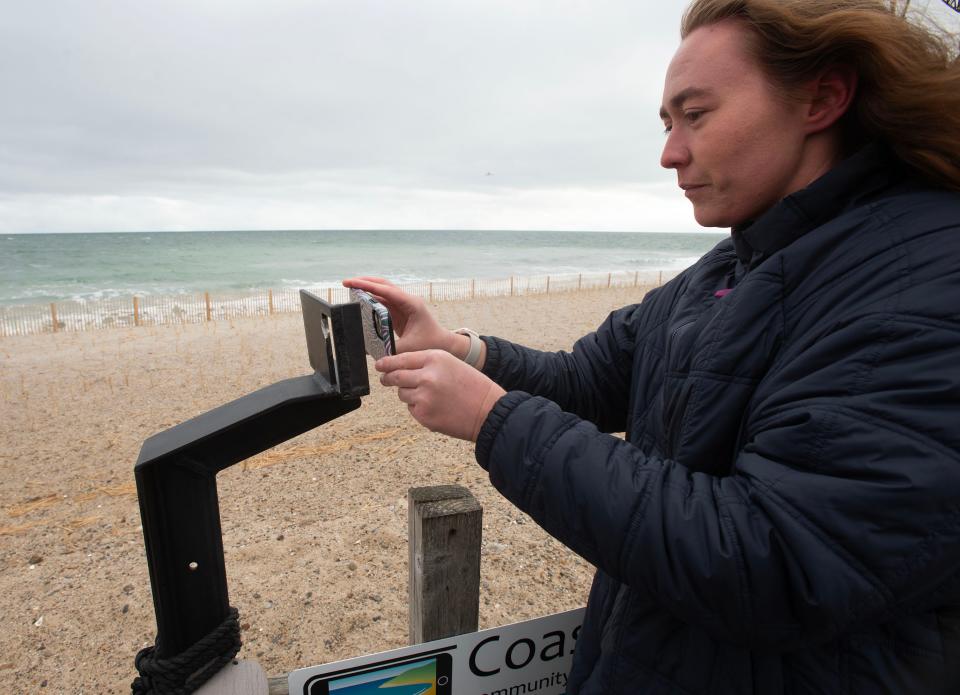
(908, 93)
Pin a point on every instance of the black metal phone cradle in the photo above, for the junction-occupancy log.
(176, 475)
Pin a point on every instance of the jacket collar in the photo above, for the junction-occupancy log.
(855, 178)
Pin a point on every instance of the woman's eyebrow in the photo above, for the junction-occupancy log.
(689, 93)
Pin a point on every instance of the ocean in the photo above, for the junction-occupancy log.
(42, 268)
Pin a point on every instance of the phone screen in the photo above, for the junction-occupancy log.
(422, 676)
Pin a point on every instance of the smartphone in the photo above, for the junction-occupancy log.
(377, 327)
(424, 673)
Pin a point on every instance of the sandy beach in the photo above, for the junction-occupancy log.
(315, 530)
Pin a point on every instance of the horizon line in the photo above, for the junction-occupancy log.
(704, 230)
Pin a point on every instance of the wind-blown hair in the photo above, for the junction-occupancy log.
(908, 93)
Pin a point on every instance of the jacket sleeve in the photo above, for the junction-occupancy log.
(842, 507)
(593, 380)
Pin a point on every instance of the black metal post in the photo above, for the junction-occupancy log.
(176, 478)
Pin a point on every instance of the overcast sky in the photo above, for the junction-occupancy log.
(321, 114)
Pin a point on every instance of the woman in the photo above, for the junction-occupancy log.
(784, 515)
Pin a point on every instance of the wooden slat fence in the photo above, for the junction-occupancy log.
(156, 310)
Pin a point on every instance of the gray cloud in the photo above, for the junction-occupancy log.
(195, 102)
(318, 105)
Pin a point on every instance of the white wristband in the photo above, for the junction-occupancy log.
(473, 354)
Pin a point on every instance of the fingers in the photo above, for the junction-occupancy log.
(369, 284)
(416, 407)
(351, 282)
(384, 290)
(402, 378)
(405, 360)
(409, 371)
(441, 392)
(366, 282)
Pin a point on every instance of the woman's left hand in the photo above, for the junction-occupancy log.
(442, 393)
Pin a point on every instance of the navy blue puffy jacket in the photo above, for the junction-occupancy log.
(784, 515)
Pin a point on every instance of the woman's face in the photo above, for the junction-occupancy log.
(737, 144)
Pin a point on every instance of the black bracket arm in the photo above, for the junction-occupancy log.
(176, 471)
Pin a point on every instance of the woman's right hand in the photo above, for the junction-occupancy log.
(415, 327)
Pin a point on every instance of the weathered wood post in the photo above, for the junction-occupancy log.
(206, 301)
(136, 310)
(270, 300)
(473, 288)
(511, 285)
(609, 279)
(579, 282)
(445, 528)
(53, 317)
(548, 284)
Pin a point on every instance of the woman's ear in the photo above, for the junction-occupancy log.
(831, 95)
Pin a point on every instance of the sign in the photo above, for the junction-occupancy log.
(529, 657)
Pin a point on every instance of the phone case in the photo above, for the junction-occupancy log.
(377, 327)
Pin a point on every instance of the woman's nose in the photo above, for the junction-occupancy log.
(675, 152)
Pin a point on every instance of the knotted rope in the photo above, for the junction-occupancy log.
(186, 672)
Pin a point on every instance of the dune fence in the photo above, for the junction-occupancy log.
(157, 310)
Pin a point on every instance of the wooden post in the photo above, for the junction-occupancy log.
(206, 300)
(609, 278)
(431, 291)
(53, 317)
(445, 527)
(636, 277)
(579, 281)
(473, 288)
(660, 279)
(548, 284)
(270, 300)
(136, 310)
(329, 295)
(511, 285)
